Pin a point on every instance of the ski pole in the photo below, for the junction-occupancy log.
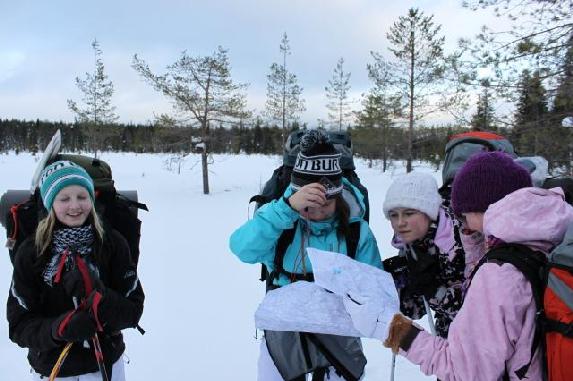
(393, 367)
(99, 358)
(60, 361)
(82, 267)
(429, 313)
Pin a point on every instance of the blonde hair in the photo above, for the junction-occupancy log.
(45, 229)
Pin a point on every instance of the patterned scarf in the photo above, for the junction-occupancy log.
(76, 240)
(424, 244)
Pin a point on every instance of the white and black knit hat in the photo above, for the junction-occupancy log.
(317, 162)
(414, 191)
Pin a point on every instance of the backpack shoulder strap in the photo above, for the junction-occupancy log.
(352, 239)
(283, 243)
(532, 264)
(286, 239)
(529, 262)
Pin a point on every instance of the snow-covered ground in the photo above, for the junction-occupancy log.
(200, 299)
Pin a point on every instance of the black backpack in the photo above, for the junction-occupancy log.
(565, 183)
(21, 211)
(275, 187)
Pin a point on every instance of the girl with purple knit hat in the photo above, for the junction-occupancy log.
(491, 337)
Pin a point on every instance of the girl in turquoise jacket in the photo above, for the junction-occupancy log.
(256, 240)
(320, 209)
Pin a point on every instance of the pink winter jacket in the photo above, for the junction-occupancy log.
(493, 330)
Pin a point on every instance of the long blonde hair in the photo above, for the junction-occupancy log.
(45, 229)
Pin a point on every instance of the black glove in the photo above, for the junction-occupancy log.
(73, 283)
(396, 264)
(423, 275)
(79, 327)
(398, 267)
(95, 304)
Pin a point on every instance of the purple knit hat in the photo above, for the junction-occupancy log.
(484, 179)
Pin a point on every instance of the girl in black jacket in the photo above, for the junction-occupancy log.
(74, 282)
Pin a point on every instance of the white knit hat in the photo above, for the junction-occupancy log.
(415, 191)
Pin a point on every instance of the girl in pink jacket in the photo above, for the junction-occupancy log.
(491, 337)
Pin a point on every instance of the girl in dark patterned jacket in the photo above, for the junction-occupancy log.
(430, 265)
(72, 281)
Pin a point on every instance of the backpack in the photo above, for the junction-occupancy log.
(275, 187)
(461, 147)
(551, 280)
(21, 211)
(566, 183)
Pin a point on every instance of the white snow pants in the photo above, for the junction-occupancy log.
(267, 371)
(118, 374)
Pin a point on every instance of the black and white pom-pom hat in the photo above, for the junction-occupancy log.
(317, 162)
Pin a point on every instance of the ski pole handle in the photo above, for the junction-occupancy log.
(430, 318)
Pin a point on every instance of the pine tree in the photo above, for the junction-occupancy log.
(483, 119)
(202, 90)
(284, 101)
(419, 64)
(537, 32)
(531, 113)
(372, 124)
(337, 95)
(563, 102)
(375, 118)
(562, 112)
(97, 109)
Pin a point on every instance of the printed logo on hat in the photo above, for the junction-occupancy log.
(55, 167)
(317, 161)
(321, 165)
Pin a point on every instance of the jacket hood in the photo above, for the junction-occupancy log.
(535, 217)
(444, 237)
(355, 200)
(537, 166)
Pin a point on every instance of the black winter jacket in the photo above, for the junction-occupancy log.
(33, 306)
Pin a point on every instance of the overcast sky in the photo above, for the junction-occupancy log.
(44, 45)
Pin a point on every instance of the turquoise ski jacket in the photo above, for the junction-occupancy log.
(255, 241)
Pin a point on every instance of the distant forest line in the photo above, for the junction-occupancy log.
(551, 141)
